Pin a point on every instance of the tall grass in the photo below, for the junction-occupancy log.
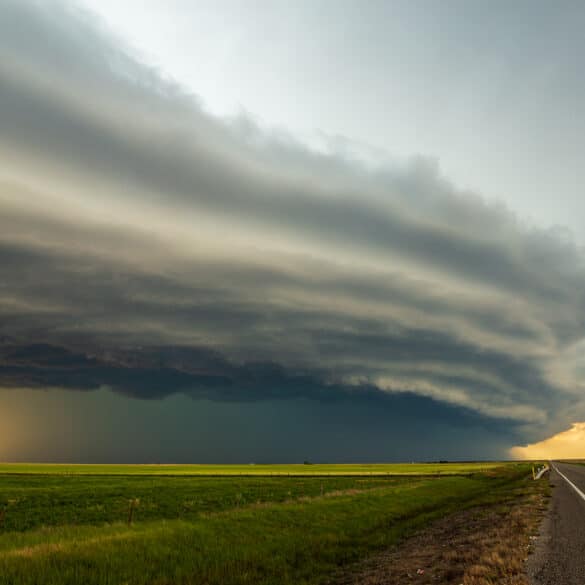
(293, 541)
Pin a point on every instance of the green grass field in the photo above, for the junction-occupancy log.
(191, 525)
(251, 469)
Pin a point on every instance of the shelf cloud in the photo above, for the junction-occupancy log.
(153, 249)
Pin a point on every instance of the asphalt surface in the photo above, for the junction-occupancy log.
(559, 552)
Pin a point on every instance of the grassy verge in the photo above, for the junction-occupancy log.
(482, 544)
(288, 542)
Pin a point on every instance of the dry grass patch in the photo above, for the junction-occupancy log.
(480, 546)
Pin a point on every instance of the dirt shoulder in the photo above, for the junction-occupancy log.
(479, 546)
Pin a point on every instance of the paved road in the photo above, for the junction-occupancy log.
(559, 557)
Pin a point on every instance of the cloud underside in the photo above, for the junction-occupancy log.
(151, 248)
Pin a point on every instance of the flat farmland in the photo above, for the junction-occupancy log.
(346, 469)
(194, 524)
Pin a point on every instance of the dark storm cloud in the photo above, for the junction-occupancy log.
(150, 248)
(178, 166)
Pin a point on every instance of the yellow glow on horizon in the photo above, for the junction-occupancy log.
(569, 444)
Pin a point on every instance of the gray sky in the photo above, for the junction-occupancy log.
(493, 90)
(289, 238)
